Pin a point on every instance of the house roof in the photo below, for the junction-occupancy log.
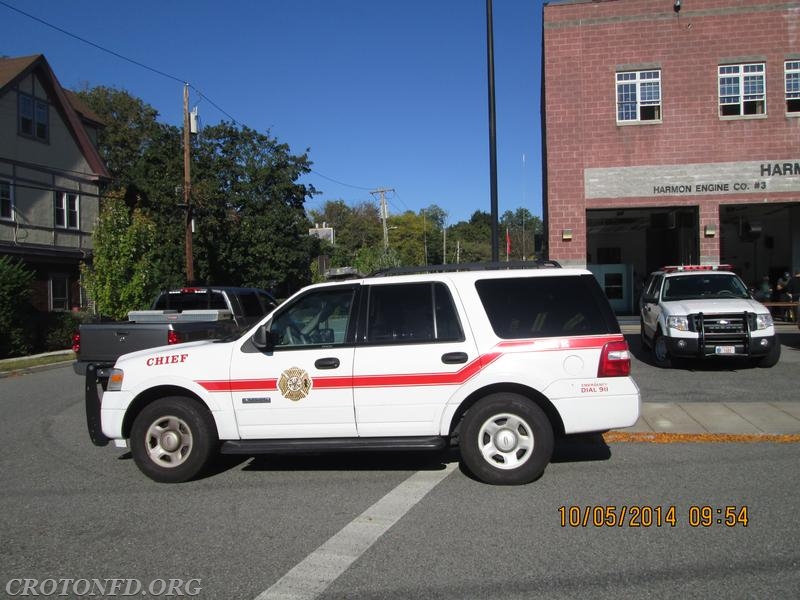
(70, 107)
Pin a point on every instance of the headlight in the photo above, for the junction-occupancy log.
(763, 321)
(115, 380)
(679, 323)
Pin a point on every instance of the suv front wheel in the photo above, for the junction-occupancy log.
(506, 439)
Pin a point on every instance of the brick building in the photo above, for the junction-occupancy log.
(671, 135)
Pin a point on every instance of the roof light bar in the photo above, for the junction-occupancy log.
(681, 268)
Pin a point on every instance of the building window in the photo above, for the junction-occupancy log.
(67, 210)
(6, 201)
(59, 292)
(638, 96)
(792, 74)
(34, 120)
(742, 90)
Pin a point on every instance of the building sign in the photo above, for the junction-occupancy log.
(693, 180)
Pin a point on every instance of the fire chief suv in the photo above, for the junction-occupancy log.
(496, 360)
(700, 311)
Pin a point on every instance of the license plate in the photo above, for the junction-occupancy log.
(725, 349)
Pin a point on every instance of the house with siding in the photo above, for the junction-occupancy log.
(50, 178)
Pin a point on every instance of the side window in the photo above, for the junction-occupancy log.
(534, 307)
(251, 307)
(411, 313)
(653, 286)
(319, 318)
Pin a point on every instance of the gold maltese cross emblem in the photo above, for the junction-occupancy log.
(294, 384)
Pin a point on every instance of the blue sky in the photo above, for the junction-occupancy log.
(382, 93)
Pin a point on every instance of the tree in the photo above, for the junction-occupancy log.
(356, 228)
(473, 236)
(523, 228)
(250, 226)
(15, 307)
(251, 223)
(121, 278)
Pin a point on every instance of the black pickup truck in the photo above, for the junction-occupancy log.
(176, 316)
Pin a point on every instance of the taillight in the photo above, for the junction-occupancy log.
(615, 360)
(76, 342)
(173, 337)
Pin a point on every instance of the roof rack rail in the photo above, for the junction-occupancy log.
(476, 266)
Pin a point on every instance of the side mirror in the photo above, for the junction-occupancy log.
(264, 339)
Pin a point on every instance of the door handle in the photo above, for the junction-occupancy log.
(327, 363)
(454, 358)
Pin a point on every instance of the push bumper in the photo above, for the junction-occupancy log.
(755, 347)
(93, 408)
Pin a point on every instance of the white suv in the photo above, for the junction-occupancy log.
(498, 361)
(699, 311)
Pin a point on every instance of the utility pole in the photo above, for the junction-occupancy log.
(384, 213)
(187, 183)
(492, 129)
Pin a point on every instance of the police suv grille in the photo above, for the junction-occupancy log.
(720, 326)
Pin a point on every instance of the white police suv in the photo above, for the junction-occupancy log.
(496, 360)
(703, 311)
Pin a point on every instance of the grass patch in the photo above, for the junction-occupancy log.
(16, 364)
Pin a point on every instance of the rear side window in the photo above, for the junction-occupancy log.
(191, 301)
(411, 313)
(535, 307)
(251, 306)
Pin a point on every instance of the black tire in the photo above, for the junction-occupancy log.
(772, 358)
(516, 423)
(643, 335)
(660, 353)
(173, 439)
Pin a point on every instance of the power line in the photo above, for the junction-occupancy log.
(158, 72)
(85, 41)
(355, 187)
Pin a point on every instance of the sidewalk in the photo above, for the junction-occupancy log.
(733, 418)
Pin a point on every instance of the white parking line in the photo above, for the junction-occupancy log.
(323, 566)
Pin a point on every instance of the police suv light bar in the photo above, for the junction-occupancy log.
(678, 268)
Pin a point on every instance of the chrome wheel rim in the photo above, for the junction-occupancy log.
(169, 442)
(506, 441)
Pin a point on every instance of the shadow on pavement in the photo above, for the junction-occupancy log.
(581, 448)
(577, 448)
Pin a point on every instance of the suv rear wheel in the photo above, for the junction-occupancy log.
(506, 439)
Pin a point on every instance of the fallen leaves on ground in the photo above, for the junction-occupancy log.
(677, 438)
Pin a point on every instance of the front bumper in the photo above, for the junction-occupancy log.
(754, 347)
(92, 397)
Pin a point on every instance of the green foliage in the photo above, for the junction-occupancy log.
(17, 338)
(522, 228)
(248, 209)
(251, 223)
(121, 278)
(55, 329)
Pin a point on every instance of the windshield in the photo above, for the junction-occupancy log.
(694, 287)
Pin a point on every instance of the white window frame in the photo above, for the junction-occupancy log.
(631, 88)
(63, 210)
(791, 78)
(742, 90)
(6, 198)
(58, 304)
